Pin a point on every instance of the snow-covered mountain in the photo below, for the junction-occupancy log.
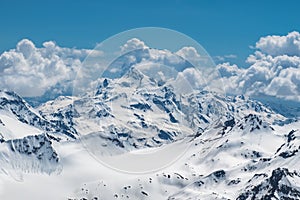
(19, 119)
(238, 148)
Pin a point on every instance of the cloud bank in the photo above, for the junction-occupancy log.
(133, 44)
(274, 69)
(274, 66)
(280, 45)
(30, 71)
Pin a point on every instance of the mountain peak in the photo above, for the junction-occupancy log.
(10, 96)
(134, 73)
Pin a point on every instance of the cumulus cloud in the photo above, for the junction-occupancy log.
(144, 53)
(227, 70)
(188, 53)
(280, 45)
(30, 71)
(286, 84)
(191, 54)
(133, 44)
(194, 77)
(136, 53)
(274, 69)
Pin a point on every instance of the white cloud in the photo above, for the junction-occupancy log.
(227, 70)
(145, 54)
(286, 84)
(200, 79)
(197, 57)
(190, 54)
(280, 45)
(193, 77)
(274, 69)
(30, 71)
(135, 53)
(133, 44)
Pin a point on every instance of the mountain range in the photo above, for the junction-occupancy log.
(215, 146)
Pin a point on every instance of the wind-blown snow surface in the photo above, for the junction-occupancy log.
(238, 148)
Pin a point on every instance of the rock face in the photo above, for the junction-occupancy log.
(33, 154)
(38, 145)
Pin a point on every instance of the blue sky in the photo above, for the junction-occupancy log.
(221, 27)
